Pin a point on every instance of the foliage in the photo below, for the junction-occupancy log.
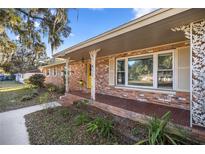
(37, 80)
(26, 98)
(64, 112)
(29, 24)
(135, 131)
(44, 98)
(53, 88)
(81, 103)
(24, 59)
(159, 134)
(82, 119)
(102, 126)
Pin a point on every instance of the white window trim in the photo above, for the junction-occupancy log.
(155, 71)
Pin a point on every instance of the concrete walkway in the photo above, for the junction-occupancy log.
(12, 124)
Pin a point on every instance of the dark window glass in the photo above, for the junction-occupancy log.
(165, 72)
(140, 71)
(121, 72)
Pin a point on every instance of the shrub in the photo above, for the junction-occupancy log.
(81, 103)
(102, 126)
(37, 80)
(26, 81)
(26, 98)
(82, 119)
(35, 93)
(64, 112)
(159, 134)
(135, 131)
(53, 88)
(44, 98)
(61, 90)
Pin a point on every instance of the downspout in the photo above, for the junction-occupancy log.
(191, 46)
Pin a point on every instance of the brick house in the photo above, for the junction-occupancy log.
(54, 72)
(157, 59)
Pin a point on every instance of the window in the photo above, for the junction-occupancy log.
(152, 71)
(47, 72)
(140, 71)
(121, 72)
(55, 73)
(165, 72)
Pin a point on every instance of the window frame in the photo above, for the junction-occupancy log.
(116, 71)
(155, 70)
(163, 70)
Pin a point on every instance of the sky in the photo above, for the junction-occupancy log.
(87, 23)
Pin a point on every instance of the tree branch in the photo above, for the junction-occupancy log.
(29, 15)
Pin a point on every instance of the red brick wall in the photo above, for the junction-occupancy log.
(179, 100)
(58, 81)
(78, 72)
(51, 79)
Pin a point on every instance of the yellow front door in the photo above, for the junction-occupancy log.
(89, 76)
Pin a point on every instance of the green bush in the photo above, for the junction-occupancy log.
(37, 80)
(81, 103)
(53, 88)
(44, 98)
(102, 126)
(159, 134)
(26, 81)
(82, 119)
(64, 112)
(26, 98)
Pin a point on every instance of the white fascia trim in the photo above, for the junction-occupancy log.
(132, 25)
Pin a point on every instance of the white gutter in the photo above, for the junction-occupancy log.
(132, 25)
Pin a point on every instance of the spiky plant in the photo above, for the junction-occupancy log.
(159, 134)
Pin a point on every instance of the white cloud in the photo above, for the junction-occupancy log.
(138, 12)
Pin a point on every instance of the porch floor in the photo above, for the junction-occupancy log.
(179, 116)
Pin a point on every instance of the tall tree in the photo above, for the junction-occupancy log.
(25, 59)
(30, 26)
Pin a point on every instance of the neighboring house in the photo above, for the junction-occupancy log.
(148, 60)
(21, 77)
(54, 72)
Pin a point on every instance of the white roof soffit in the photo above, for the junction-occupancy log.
(150, 18)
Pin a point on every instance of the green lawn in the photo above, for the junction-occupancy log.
(6, 86)
(12, 93)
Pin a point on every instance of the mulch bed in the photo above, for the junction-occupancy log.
(57, 126)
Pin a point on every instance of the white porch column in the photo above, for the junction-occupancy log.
(195, 31)
(67, 75)
(93, 55)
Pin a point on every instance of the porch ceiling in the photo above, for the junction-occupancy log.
(154, 34)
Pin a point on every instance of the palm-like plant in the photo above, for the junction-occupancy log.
(159, 134)
(102, 126)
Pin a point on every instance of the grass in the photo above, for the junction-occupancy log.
(6, 86)
(69, 125)
(11, 94)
